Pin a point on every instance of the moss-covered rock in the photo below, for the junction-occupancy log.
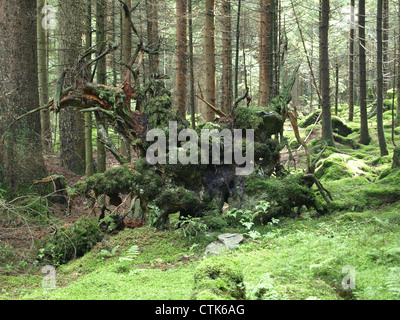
(69, 242)
(284, 194)
(340, 166)
(309, 120)
(264, 120)
(218, 278)
(340, 127)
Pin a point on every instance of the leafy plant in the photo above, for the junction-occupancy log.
(393, 282)
(247, 217)
(131, 254)
(190, 226)
(104, 253)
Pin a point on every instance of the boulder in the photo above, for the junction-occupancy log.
(230, 240)
(226, 241)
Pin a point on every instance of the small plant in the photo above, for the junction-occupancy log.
(131, 254)
(393, 281)
(248, 217)
(190, 226)
(263, 290)
(104, 253)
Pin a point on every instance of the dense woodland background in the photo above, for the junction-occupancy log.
(220, 47)
(83, 80)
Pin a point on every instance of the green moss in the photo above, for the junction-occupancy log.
(246, 118)
(329, 269)
(346, 141)
(69, 242)
(113, 181)
(218, 277)
(387, 104)
(340, 127)
(309, 120)
(284, 193)
(340, 166)
(358, 193)
(215, 220)
(264, 120)
(396, 158)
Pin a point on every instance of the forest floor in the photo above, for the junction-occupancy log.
(294, 258)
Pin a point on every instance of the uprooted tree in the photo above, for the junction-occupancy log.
(194, 188)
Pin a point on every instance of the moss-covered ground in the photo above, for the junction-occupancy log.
(292, 258)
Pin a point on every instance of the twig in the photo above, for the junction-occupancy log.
(293, 121)
(308, 136)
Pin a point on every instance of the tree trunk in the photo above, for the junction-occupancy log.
(379, 109)
(364, 135)
(398, 74)
(20, 150)
(181, 58)
(43, 80)
(72, 126)
(324, 71)
(385, 45)
(351, 64)
(336, 88)
(101, 10)
(152, 34)
(209, 47)
(191, 67)
(88, 115)
(126, 53)
(226, 85)
(265, 61)
(237, 51)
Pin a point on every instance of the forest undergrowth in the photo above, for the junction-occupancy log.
(302, 255)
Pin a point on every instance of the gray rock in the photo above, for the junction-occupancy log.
(226, 241)
(214, 248)
(231, 240)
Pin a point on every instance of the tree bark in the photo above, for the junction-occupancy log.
(88, 115)
(21, 158)
(336, 88)
(209, 48)
(351, 63)
(364, 134)
(152, 34)
(191, 67)
(379, 110)
(236, 94)
(181, 58)
(72, 126)
(385, 46)
(126, 52)
(398, 73)
(101, 10)
(265, 61)
(43, 80)
(324, 71)
(226, 85)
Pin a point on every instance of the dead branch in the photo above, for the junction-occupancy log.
(293, 121)
(217, 111)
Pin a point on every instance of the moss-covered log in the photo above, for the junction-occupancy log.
(192, 189)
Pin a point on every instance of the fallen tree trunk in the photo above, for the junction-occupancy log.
(192, 188)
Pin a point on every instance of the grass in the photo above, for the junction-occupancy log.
(298, 258)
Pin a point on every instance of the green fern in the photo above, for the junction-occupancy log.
(131, 254)
(393, 282)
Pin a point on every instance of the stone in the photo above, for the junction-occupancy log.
(214, 248)
(231, 240)
(226, 241)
